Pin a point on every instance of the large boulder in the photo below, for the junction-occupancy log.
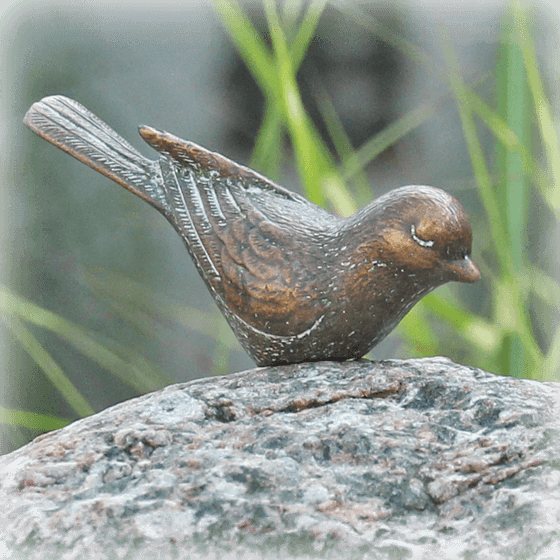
(394, 459)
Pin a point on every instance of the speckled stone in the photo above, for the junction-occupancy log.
(415, 458)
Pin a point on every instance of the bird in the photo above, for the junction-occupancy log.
(295, 282)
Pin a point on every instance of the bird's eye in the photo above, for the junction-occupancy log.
(421, 242)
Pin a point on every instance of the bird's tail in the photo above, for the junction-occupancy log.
(70, 126)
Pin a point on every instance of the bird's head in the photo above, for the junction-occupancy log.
(423, 231)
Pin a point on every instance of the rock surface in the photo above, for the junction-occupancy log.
(395, 459)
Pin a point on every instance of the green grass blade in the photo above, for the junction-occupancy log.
(358, 15)
(297, 122)
(512, 102)
(510, 303)
(419, 339)
(510, 142)
(306, 32)
(49, 367)
(290, 12)
(543, 286)
(31, 420)
(267, 154)
(551, 363)
(387, 137)
(519, 120)
(543, 110)
(249, 44)
(13, 436)
(279, 86)
(341, 142)
(478, 159)
(124, 363)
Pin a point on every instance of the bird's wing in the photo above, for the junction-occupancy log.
(245, 235)
(250, 238)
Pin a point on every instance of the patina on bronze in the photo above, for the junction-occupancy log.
(295, 282)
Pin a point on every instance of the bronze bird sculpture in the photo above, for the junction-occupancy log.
(295, 282)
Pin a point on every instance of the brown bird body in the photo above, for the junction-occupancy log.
(295, 282)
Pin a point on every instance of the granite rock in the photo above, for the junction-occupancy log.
(395, 459)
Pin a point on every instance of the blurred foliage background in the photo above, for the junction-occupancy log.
(340, 101)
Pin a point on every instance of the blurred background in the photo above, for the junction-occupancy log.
(99, 299)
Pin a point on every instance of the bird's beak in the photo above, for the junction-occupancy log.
(464, 270)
